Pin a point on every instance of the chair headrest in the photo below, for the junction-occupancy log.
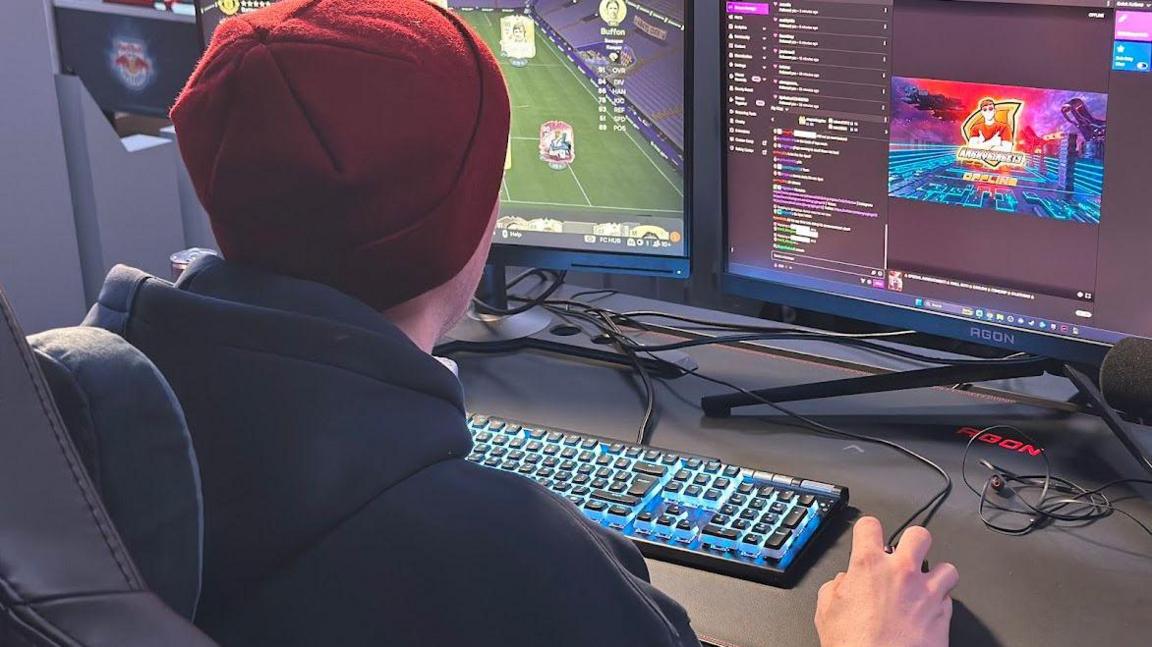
(130, 433)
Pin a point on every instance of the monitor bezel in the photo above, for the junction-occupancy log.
(1082, 351)
(677, 267)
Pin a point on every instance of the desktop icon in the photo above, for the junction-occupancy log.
(919, 303)
(980, 314)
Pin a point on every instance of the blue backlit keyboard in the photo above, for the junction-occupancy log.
(681, 508)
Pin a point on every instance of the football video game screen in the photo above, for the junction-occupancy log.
(983, 160)
(596, 160)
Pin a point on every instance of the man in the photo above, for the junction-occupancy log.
(349, 154)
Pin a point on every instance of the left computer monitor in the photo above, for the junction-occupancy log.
(597, 172)
(210, 13)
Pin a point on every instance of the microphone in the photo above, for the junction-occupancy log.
(1126, 376)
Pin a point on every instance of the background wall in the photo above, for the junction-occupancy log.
(39, 261)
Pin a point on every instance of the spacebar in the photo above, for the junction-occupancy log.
(623, 499)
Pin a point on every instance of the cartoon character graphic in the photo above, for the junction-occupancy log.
(557, 144)
(518, 39)
(132, 64)
(990, 133)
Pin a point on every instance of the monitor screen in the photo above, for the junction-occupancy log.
(131, 59)
(596, 160)
(983, 161)
(210, 13)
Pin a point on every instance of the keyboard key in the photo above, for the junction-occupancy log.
(632, 452)
(757, 503)
(621, 476)
(612, 497)
(595, 506)
(769, 518)
(499, 440)
(805, 499)
(719, 536)
(665, 520)
(712, 467)
(481, 449)
(778, 539)
(744, 488)
(641, 486)
(752, 539)
(545, 472)
(550, 450)
(492, 462)
(575, 499)
(701, 479)
(532, 458)
(614, 448)
(509, 465)
(720, 519)
(584, 469)
(581, 490)
(729, 509)
(693, 463)
(685, 532)
(535, 446)
(693, 491)
(483, 437)
(499, 452)
(622, 463)
(480, 422)
(682, 475)
(794, 517)
(562, 486)
(669, 459)
(526, 468)
(778, 508)
(567, 466)
(517, 443)
(600, 483)
(604, 472)
(674, 487)
(748, 514)
(738, 499)
(649, 468)
(589, 443)
(767, 491)
(761, 528)
(651, 455)
(554, 436)
(515, 455)
(569, 452)
(512, 429)
(712, 495)
(497, 425)
(740, 524)
(619, 510)
(617, 487)
(785, 495)
(585, 456)
(603, 459)
(674, 510)
(551, 461)
(534, 433)
(580, 479)
(571, 440)
(731, 471)
(721, 483)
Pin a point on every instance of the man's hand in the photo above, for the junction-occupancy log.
(884, 600)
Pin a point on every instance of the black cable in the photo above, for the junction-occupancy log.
(528, 303)
(1070, 503)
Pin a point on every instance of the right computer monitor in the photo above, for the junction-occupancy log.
(975, 169)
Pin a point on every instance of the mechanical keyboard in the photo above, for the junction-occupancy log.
(691, 510)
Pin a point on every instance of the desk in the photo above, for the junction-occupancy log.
(1058, 586)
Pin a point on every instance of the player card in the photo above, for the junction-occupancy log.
(557, 144)
(518, 38)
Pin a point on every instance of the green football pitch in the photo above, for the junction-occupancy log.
(614, 172)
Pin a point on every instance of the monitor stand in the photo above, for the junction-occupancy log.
(720, 406)
(540, 329)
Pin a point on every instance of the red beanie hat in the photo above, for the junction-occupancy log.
(358, 143)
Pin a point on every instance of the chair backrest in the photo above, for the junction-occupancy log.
(66, 578)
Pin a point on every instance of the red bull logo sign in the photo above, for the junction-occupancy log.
(132, 64)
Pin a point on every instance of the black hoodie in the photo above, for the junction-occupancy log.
(339, 510)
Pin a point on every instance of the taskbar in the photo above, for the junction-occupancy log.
(615, 244)
(871, 291)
